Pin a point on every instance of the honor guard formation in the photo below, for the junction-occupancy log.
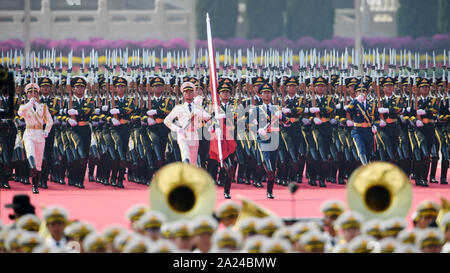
(124, 118)
(227, 231)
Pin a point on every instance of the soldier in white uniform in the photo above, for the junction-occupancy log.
(185, 120)
(36, 115)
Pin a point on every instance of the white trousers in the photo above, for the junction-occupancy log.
(189, 150)
(34, 142)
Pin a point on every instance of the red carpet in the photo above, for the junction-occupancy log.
(105, 205)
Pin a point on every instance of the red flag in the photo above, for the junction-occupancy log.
(227, 142)
(220, 148)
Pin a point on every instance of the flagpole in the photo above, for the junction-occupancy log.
(213, 81)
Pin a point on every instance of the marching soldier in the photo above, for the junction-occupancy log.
(295, 109)
(442, 137)
(160, 108)
(267, 116)
(189, 119)
(392, 107)
(364, 117)
(8, 134)
(322, 110)
(225, 132)
(255, 168)
(120, 131)
(52, 103)
(80, 132)
(36, 116)
(424, 118)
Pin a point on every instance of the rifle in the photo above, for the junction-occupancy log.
(68, 85)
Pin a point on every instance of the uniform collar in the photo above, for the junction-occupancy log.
(291, 98)
(319, 97)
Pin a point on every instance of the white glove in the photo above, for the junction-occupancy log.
(278, 114)
(151, 112)
(45, 134)
(115, 122)
(349, 123)
(220, 116)
(449, 109)
(360, 98)
(56, 121)
(105, 108)
(32, 101)
(143, 123)
(218, 132)
(97, 111)
(314, 110)
(382, 123)
(286, 110)
(419, 123)
(306, 121)
(151, 121)
(338, 106)
(306, 111)
(408, 109)
(198, 100)
(62, 111)
(72, 122)
(383, 110)
(21, 123)
(317, 121)
(333, 121)
(114, 111)
(402, 119)
(95, 123)
(374, 129)
(345, 107)
(255, 122)
(72, 112)
(180, 131)
(421, 112)
(262, 132)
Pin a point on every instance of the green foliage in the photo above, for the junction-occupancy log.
(313, 18)
(265, 18)
(443, 16)
(223, 14)
(418, 18)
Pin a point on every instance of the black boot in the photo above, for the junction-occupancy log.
(444, 168)
(35, 181)
(270, 182)
(433, 168)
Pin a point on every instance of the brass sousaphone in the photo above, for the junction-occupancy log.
(379, 190)
(182, 191)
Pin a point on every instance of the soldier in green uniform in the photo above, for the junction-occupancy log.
(441, 135)
(322, 130)
(403, 138)
(8, 134)
(21, 166)
(295, 109)
(424, 117)
(53, 104)
(158, 132)
(120, 132)
(391, 108)
(80, 132)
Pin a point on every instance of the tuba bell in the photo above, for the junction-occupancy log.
(182, 191)
(250, 209)
(379, 190)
